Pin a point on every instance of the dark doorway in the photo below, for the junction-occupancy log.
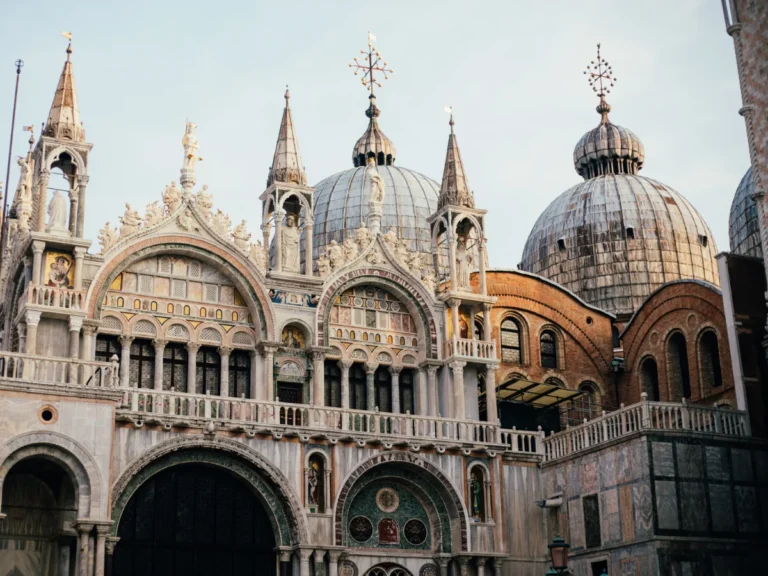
(193, 520)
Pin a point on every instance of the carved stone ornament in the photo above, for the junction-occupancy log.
(129, 221)
(107, 237)
(154, 214)
(387, 500)
(172, 197)
(186, 221)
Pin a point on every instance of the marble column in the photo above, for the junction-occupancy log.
(78, 283)
(308, 248)
(318, 373)
(480, 562)
(224, 353)
(492, 414)
(101, 539)
(84, 532)
(463, 565)
(268, 353)
(32, 319)
(498, 564)
(72, 209)
(42, 200)
(37, 260)
(192, 348)
(344, 366)
(254, 391)
(125, 359)
(319, 562)
(442, 565)
(304, 556)
(432, 391)
(421, 395)
(109, 549)
(159, 353)
(487, 329)
(82, 183)
(452, 260)
(75, 324)
(458, 389)
(454, 304)
(481, 266)
(370, 387)
(395, 372)
(86, 350)
(279, 215)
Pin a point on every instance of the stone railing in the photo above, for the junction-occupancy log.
(646, 416)
(58, 371)
(146, 404)
(49, 296)
(471, 349)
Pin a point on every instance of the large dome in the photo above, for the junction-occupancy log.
(341, 205)
(614, 239)
(743, 224)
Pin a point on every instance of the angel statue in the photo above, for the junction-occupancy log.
(350, 249)
(154, 214)
(107, 237)
(258, 255)
(57, 213)
(323, 265)
(204, 201)
(335, 255)
(221, 224)
(190, 147)
(172, 197)
(24, 189)
(129, 221)
(363, 236)
(241, 236)
(377, 183)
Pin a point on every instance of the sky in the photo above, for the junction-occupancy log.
(511, 70)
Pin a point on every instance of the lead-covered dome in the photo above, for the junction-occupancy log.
(743, 223)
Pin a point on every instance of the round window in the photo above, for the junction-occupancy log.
(48, 414)
(360, 528)
(415, 532)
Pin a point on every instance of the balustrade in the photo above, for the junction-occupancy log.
(49, 296)
(58, 371)
(470, 348)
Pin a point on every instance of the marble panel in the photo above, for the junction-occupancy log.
(573, 473)
(589, 476)
(576, 523)
(162, 287)
(610, 522)
(626, 513)
(721, 507)
(690, 462)
(643, 510)
(666, 505)
(130, 282)
(746, 509)
(717, 463)
(694, 514)
(607, 469)
(741, 464)
(663, 462)
(195, 291)
(626, 461)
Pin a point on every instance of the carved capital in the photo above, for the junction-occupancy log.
(432, 370)
(225, 351)
(457, 367)
(110, 544)
(481, 560)
(454, 303)
(318, 355)
(75, 323)
(32, 318)
(83, 526)
(89, 330)
(38, 247)
(159, 345)
(125, 341)
(79, 252)
(487, 307)
(370, 367)
(83, 180)
(395, 370)
(192, 347)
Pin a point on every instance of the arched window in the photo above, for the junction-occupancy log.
(175, 367)
(479, 329)
(477, 493)
(106, 346)
(586, 404)
(316, 483)
(463, 328)
(511, 342)
(709, 352)
(548, 343)
(383, 389)
(141, 370)
(406, 391)
(649, 378)
(677, 361)
(332, 380)
(357, 387)
(615, 337)
(239, 374)
(208, 372)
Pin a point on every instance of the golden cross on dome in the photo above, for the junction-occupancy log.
(600, 73)
(370, 63)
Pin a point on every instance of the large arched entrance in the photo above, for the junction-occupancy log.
(194, 519)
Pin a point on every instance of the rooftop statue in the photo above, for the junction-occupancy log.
(57, 213)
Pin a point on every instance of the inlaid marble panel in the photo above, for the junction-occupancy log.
(607, 469)
(690, 462)
(626, 513)
(717, 463)
(666, 505)
(663, 462)
(746, 508)
(721, 506)
(576, 522)
(694, 514)
(741, 464)
(573, 473)
(643, 510)
(589, 475)
(610, 522)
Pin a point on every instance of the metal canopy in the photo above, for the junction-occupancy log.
(536, 394)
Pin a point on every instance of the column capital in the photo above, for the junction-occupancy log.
(103, 527)
(83, 179)
(457, 366)
(481, 560)
(84, 525)
(89, 330)
(192, 347)
(305, 553)
(225, 351)
(38, 246)
(463, 560)
(497, 564)
(454, 302)
(442, 561)
(159, 344)
(125, 340)
(110, 544)
(491, 368)
(32, 317)
(79, 251)
(266, 347)
(395, 370)
(370, 367)
(345, 364)
(75, 323)
(487, 306)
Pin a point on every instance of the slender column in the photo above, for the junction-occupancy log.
(498, 563)
(86, 351)
(224, 353)
(286, 562)
(22, 328)
(42, 200)
(72, 208)
(265, 228)
(319, 563)
(304, 556)
(421, 395)
(432, 383)
(458, 389)
(452, 259)
(492, 414)
(79, 253)
(125, 359)
(318, 359)
(192, 348)
(101, 540)
(75, 324)
(279, 214)
(159, 353)
(37, 260)
(454, 304)
(110, 552)
(254, 391)
(370, 388)
(442, 565)
(481, 565)
(269, 377)
(32, 319)
(481, 255)
(464, 565)
(344, 366)
(82, 182)
(335, 558)
(84, 531)
(395, 371)
(309, 224)
(487, 330)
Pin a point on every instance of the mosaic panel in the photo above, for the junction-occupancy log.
(610, 522)
(717, 463)
(666, 504)
(663, 462)
(690, 462)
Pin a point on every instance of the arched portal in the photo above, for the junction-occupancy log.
(194, 519)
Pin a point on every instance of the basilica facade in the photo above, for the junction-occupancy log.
(355, 390)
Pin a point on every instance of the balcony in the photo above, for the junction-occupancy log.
(48, 298)
(470, 350)
(645, 415)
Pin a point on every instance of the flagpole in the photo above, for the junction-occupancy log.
(19, 64)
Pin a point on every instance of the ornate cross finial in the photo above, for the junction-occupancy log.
(374, 64)
(449, 109)
(600, 73)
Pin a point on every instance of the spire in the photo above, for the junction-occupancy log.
(64, 118)
(454, 189)
(286, 164)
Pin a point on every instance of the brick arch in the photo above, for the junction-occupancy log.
(229, 261)
(73, 458)
(427, 479)
(272, 488)
(409, 293)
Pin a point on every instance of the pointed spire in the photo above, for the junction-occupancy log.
(286, 163)
(64, 118)
(454, 189)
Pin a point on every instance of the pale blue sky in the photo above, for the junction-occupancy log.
(512, 70)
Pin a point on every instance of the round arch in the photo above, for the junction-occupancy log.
(227, 261)
(268, 482)
(67, 453)
(425, 479)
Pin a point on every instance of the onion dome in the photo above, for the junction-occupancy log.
(608, 149)
(743, 223)
(374, 142)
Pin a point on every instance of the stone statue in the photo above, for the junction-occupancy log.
(154, 214)
(323, 265)
(415, 262)
(375, 256)
(401, 252)
(335, 255)
(107, 237)
(190, 147)
(204, 202)
(377, 183)
(129, 222)
(390, 239)
(289, 244)
(241, 236)
(221, 224)
(24, 189)
(186, 221)
(463, 262)
(57, 213)
(477, 495)
(363, 236)
(258, 255)
(312, 482)
(172, 197)
(350, 250)
(429, 279)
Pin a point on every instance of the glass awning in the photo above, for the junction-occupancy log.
(536, 394)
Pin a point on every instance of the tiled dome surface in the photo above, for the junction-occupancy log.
(743, 223)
